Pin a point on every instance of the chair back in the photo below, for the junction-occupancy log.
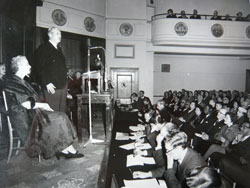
(11, 136)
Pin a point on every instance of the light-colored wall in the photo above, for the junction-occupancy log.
(136, 13)
(204, 6)
(199, 72)
(76, 11)
(92, 6)
(126, 9)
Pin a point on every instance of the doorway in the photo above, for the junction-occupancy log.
(248, 81)
(125, 82)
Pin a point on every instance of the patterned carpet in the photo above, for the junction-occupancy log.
(24, 172)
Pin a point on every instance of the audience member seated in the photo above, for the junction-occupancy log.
(75, 84)
(241, 116)
(227, 17)
(203, 177)
(239, 17)
(134, 100)
(181, 160)
(165, 133)
(216, 16)
(236, 162)
(161, 107)
(208, 129)
(183, 14)
(171, 14)
(74, 88)
(42, 130)
(225, 137)
(192, 127)
(195, 15)
(144, 104)
(235, 107)
(167, 97)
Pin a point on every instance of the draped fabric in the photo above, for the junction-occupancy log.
(42, 132)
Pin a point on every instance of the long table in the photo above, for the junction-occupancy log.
(117, 157)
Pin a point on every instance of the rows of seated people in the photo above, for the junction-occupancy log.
(215, 16)
(194, 133)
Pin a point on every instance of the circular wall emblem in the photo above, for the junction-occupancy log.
(181, 28)
(248, 31)
(217, 30)
(89, 24)
(59, 17)
(126, 29)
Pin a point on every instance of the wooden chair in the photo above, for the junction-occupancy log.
(13, 137)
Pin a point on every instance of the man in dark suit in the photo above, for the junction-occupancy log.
(180, 160)
(235, 164)
(51, 72)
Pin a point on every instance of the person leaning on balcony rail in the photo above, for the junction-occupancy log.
(216, 16)
(171, 14)
(239, 17)
(195, 15)
(227, 17)
(183, 14)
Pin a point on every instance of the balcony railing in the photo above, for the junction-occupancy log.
(200, 32)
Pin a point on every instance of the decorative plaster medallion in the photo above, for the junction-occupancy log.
(181, 28)
(126, 29)
(59, 17)
(248, 31)
(89, 24)
(217, 30)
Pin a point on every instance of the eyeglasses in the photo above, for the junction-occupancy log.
(243, 127)
(168, 151)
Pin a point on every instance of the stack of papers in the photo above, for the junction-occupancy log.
(139, 160)
(143, 146)
(122, 136)
(136, 137)
(133, 145)
(137, 128)
(145, 183)
(128, 146)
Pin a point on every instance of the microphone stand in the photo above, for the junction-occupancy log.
(91, 139)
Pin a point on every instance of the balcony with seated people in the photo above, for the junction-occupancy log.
(205, 32)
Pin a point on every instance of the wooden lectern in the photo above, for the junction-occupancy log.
(98, 96)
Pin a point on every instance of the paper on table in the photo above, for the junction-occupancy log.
(136, 137)
(139, 160)
(136, 128)
(146, 183)
(162, 183)
(143, 146)
(128, 146)
(148, 160)
(121, 136)
(134, 160)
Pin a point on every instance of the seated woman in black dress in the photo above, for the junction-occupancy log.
(42, 130)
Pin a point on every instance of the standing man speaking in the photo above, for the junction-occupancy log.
(51, 72)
